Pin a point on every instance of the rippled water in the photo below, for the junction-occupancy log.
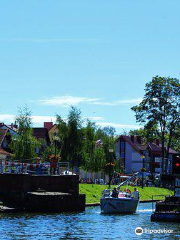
(90, 224)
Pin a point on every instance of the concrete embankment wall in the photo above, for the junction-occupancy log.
(28, 183)
(15, 189)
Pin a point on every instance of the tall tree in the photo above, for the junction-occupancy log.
(159, 110)
(94, 157)
(71, 137)
(24, 144)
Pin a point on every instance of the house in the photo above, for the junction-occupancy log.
(12, 128)
(6, 133)
(135, 154)
(4, 144)
(41, 133)
(53, 131)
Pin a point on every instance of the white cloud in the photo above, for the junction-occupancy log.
(94, 118)
(9, 118)
(119, 102)
(129, 101)
(67, 100)
(39, 120)
(42, 119)
(117, 125)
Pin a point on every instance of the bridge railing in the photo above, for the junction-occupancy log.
(40, 168)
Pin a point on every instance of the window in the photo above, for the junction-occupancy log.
(122, 144)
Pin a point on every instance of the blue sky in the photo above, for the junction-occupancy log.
(97, 55)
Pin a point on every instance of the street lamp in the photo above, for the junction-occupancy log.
(55, 139)
(110, 165)
(143, 157)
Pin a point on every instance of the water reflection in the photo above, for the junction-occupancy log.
(90, 224)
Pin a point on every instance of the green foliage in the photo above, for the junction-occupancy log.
(159, 109)
(147, 133)
(24, 144)
(71, 137)
(78, 142)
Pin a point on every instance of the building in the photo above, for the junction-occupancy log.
(6, 133)
(53, 131)
(135, 154)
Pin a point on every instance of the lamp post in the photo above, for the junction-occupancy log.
(143, 157)
(55, 139)
(110, 151)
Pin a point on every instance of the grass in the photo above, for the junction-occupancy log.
(93, 192)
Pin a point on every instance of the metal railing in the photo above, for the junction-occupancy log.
(39, 168)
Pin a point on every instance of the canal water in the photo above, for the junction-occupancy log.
(90, 224)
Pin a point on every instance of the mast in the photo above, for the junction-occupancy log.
(121, 184)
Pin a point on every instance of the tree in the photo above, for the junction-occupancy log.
(148, 136)
(24, 144)
(75, 136)
(159, 110)
(94, 157)
(71, 137)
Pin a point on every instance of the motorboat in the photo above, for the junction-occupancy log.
(125, 202)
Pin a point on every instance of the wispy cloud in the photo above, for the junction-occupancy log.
(10, 118)
(117, 125)
(119, 102)
(94, 118)
(39, 120)
(67, 100)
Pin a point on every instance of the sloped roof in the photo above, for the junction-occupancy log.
(158, 149)
(142, 147)
(4, 126)
(136, 145)
(2, 151)
(41, 133)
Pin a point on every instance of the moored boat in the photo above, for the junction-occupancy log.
(118, 205)
(124, 202)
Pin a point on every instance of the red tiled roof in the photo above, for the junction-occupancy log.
(48, 125)
(142, 147)
(136, 145)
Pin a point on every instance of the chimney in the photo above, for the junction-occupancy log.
(132, 138)
(48, 125)
(139, 139)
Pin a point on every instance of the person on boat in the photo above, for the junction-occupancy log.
(115, 193)
(127, 192)
(135, 194)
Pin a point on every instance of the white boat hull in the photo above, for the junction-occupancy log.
(118, 205)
